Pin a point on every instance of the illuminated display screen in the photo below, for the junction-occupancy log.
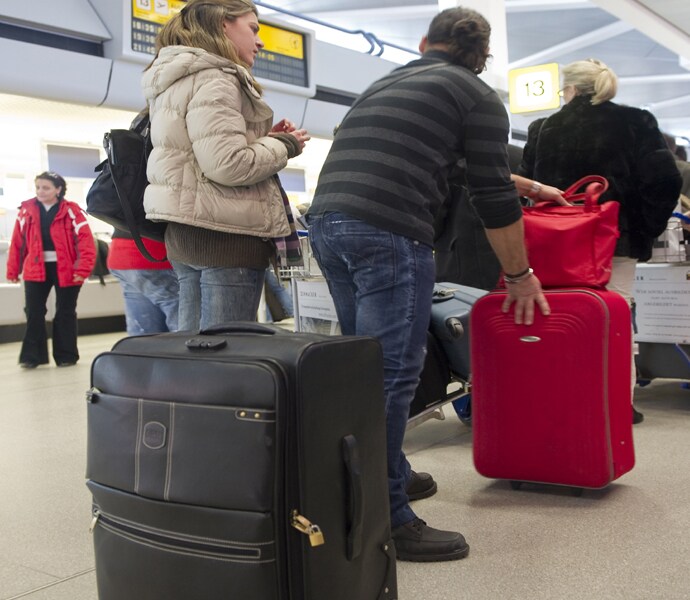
(283, 58)
(148, 16)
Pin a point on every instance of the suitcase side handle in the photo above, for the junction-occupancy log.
(240, 327)
(355, 514)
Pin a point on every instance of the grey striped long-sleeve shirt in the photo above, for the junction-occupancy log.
(390, 159)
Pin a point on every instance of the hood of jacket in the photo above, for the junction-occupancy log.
(177, 62)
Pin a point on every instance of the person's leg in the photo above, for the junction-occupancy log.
(279, 291)
(189, 278)
(65, 331)
(382, 286)
(141, 314)
(622, 281)
(391, 302)
(161, 287)
(34, 349)
(335, 269)
(229, 294)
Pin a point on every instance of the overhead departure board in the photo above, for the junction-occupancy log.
(283, 57)
(148, 16)
(283, 64)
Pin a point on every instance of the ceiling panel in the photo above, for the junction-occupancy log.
(553, 29)
(539, 28)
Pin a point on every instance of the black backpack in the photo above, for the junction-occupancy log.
(100, 268)
(117, 194)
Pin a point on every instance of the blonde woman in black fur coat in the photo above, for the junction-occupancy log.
(592, 135)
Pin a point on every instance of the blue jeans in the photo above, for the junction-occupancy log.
(282, 295)
(213, 295)
(151, 299)
(381, 285)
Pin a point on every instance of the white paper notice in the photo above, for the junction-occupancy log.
(662, 297)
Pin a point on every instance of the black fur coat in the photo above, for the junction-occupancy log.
(624, 145)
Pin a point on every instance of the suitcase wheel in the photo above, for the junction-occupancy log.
(463, 408)
(575, 491)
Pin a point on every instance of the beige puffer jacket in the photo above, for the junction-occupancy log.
(212, 162)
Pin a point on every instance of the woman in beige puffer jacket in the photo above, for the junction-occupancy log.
(214, 157)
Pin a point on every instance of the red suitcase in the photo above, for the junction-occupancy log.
(551, 401)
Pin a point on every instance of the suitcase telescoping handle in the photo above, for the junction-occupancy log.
(355, 514)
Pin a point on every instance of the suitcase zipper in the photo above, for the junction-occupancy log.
(168, 541)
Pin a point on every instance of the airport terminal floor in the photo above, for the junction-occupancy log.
(628, 541)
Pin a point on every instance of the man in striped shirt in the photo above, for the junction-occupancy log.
(371, 227)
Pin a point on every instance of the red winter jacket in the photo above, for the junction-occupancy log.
(74, 245)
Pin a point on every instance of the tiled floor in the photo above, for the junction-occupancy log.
(630, 541)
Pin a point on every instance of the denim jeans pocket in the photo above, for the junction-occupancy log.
(371, 254)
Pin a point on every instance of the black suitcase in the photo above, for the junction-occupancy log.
(448, 352)
(242, 462)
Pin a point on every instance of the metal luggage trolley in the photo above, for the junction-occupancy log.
(313, 305)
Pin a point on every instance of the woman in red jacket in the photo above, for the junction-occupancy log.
(52, 246)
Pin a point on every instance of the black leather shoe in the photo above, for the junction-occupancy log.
(416, 541)
(420, 485)
(28, 365)
(66, 364)
(638, 417)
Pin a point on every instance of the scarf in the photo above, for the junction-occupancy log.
(289, 248)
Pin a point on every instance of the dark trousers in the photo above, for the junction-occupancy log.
(35, 344)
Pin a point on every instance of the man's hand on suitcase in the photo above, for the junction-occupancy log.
(526, 293)
(523, 286)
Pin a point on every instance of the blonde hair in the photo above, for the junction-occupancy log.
(592, 78)
(200, 25)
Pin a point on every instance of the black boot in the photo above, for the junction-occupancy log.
(638, 417)
(418, 542)
(420, 485)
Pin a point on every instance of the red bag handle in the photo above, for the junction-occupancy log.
(596, 186)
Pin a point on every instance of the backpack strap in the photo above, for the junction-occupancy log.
(140, 126)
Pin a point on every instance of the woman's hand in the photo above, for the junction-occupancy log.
(548, 193)
(16, 280)
(538, 192)
(301, 136)
(284, 126)
(77, 278)
(287, 127)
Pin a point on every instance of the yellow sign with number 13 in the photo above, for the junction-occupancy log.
(534, 88)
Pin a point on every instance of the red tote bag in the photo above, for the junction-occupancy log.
(573, 246)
